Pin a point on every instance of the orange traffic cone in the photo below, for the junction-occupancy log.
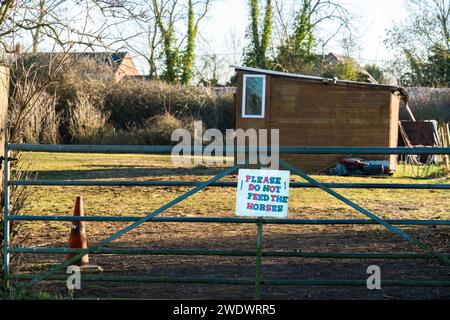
(78, 239)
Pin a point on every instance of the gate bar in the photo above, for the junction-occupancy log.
(138, 149)
(6, 221)
(224, 184)
(372, 216)
(230, 220)
(133, 225)
(232, 253)
(258, 278)
(250, 282)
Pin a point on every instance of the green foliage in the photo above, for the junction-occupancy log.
(438, 67)
(178, 64)
(292, 58)
(296, 52)
(342, 70)
(432, 72)
(256, 53)
(345, 70)
(303, 36)
(171, 73)
(170, 50)
(18, 293)
(189, 55)
(422, 44)
(251, 54)
(376, 72)
(266, 33)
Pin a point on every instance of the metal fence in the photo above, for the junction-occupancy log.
(425, 252)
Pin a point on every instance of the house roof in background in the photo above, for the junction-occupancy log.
(356, 65)
(112, 59)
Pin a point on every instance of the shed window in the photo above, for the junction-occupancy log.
(254, 96)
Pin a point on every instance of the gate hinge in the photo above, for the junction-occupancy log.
(2, 158)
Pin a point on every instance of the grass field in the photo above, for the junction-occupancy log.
(220, 202)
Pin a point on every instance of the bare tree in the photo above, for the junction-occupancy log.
(178, 63)
(32, 73)
(300, 34)
(260, 37)
(422, 44)
(37, 31)
(32, 103)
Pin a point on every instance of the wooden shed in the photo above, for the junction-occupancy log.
(315, 111)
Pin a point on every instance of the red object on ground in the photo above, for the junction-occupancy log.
(353, 163)
(78, 239)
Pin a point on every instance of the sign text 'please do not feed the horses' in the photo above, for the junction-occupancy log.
(263, 193)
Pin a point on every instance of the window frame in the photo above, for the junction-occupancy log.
(244, 93)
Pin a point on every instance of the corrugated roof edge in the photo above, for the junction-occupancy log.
(401, 90)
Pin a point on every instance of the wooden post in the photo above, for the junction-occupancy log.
(4, 91)
(410, 114)
(4, 86)
(445, 140)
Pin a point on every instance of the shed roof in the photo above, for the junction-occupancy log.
(330, 81)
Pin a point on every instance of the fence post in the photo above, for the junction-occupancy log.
(6, 239)
(4, 87)
(258, 259)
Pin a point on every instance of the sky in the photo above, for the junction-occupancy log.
(374, 17)
(228, 19)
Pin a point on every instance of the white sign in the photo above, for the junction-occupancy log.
(262, 193)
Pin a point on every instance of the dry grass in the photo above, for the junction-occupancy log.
(85, 121)
(133, 102)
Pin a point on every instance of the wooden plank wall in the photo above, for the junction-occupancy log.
(318, 114)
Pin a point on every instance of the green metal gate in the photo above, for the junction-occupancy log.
(258, 281)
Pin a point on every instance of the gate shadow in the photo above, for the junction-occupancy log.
(121, 172)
